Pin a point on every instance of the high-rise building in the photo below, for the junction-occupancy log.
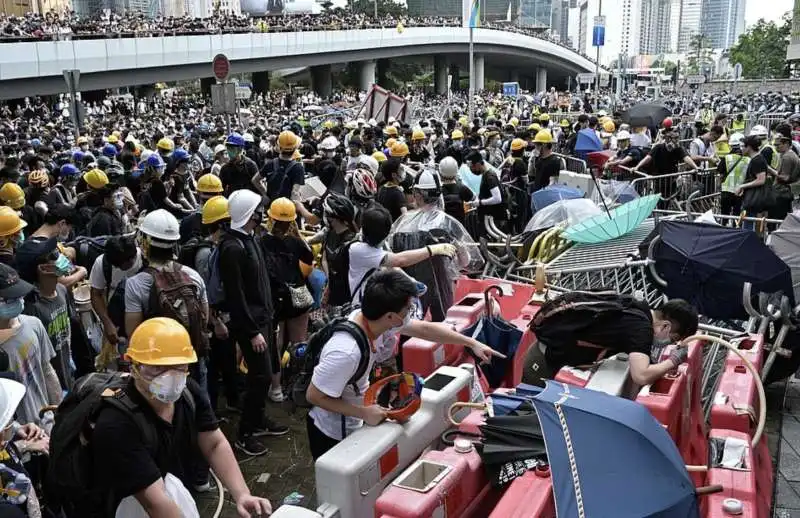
(654, 26)
(536, 13)
(723, 22)
(229, 6)
(492, 9)
(793, 52)
(690, 24)
(16, 7)
(583, 27)
(630, 36)
(199, 8)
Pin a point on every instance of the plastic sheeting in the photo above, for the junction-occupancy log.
(564, 212)
(176, 491)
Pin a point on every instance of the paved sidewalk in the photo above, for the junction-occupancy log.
(787, 479)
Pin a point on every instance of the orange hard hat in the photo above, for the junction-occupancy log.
(401, 394)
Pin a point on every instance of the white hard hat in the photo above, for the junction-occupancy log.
(329, 143)
(162, 226)
(248, 137)
(370, 162)
(241, 206)
(735, 139)
(428, 180)
(759, 131)
(448, 167)
(391, 120)
(623, 135)
(219, 148)
(11, 393)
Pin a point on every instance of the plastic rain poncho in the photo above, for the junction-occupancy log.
(428, 226)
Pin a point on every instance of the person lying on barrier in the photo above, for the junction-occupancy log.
(578, 329)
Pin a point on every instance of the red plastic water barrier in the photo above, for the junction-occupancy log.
(528, 496)
(463, 492)
(514, 375)
(668, 401)
(751, 485)
(510, 303)
(735, 404)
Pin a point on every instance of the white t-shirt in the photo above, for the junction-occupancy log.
(137, 290)
(363, 258)
(337, 364)
(98, 280)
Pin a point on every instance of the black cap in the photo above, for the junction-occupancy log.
(27, 253)
(11, 285)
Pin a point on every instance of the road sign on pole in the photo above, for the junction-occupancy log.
(696, 79)
(599, 31)
(511, 89)
(72, 78)
(585, 79)
(221, 67)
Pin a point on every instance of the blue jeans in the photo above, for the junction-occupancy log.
(199, 372)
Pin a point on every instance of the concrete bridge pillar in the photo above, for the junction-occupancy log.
(456, 73)
(381, 71)
(321, 80)
(480, 78)
(260, 82)
(366, 74)
(440, 75)
(205, 85)
(541, 79)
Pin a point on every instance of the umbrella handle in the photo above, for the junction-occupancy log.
(762, 398)
(708, 490)
(459, 405)
(696, 469)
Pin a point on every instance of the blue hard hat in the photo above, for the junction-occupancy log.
(69, 170)
(234, 139)
(35, 142)
(180, 155)
(155, 160)
(110, 150)
(77, 156)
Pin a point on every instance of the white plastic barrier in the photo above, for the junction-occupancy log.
(353, 474)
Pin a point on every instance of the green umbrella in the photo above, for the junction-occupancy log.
(616, 223)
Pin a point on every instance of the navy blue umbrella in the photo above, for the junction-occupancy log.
(707, 265)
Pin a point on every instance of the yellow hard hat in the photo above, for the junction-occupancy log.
(389, 143)
(399, 149)
(379, 156)
(417, 134)
(12, 195)
(544, 117)
(518, 144)
(609, 126)
(96, 179)
(328, 124)
(166, 144)
(82, 140)
(457, 135)
(116, 133)
(282, 209)
(209, 183)
(391, 131)
(10, 222)
(463, 120)
(215, 209)
(39, 178)
(287, 141)
(514, 121)
(535, 127)
(161, 341)
(564, 123)
(113, 139)
(543, 137)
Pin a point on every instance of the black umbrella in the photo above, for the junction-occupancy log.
(649, 115)
(510, 446)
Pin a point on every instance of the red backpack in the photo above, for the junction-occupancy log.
(175, 295)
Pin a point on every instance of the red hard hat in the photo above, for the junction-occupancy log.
(400, 394)
(667, 123)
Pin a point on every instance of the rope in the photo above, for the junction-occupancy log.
(573, 466)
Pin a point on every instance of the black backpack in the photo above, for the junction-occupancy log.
(190, 248)
(277, 178)
(338, 274)
(69, 480)
(88, 249)
(299, 385)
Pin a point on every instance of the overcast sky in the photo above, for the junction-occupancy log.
(771, 10)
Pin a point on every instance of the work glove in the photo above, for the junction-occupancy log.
(679, 355)
(445, 249)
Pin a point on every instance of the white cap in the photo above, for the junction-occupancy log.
(11, 393)
(241, 206)
(161, 225)
(623, 135)
(219, 148)
(248, 137)
(759, 131)
(329, 143)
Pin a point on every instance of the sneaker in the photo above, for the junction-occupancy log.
(208, 487)
(250, 446)
(271, 428)
(276, 395)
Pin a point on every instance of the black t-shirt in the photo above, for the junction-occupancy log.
(545, 169)
(287, 174)
(665, 161)
(122, 463)
(756, 166)
(104, 223)
(628, 332)
(455, 195)
(393, 199)
(238, 175)
(489, 181)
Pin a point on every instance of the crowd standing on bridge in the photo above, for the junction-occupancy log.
(157, 243)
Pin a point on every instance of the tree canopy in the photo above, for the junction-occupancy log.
(385, 7)
(762, 49)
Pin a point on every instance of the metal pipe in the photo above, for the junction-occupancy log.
(471, 102)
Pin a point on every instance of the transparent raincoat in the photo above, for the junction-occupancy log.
(429, 226)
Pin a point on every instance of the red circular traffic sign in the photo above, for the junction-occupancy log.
(221, 67)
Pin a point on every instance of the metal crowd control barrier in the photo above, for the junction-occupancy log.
(576, 165)
(677, 188)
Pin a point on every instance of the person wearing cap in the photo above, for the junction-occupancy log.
(338, 410)
(125, 464)
(238, 171)
(24, 339)
(626, 155)
(208, 186)
(17, 441)
(454, 193)
(732, 169)
(248, 297)
(665, 158)
(220, 159)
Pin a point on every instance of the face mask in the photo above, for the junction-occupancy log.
(168, 387)
(233, 154)
(119, 204)
(401, 176)
(63, 265)
(12, 309)
(330, 154)
(406, 320)
(457, 144)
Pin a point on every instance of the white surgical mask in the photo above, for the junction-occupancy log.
(168, 387)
